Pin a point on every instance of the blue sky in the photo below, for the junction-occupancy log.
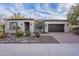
(36, 10)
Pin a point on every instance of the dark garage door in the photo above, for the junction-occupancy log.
(56, 27)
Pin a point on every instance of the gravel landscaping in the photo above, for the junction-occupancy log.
(31, 39)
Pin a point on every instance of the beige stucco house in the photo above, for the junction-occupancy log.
(53, 25)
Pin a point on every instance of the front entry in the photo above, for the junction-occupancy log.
(27, 26)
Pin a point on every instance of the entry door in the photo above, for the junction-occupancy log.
(26, 26)
(56, 27)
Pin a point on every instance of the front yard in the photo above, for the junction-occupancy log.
(44, 38)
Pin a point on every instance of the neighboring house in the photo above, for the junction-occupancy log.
(53, 25)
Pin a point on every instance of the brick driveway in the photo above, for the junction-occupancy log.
(66, 37)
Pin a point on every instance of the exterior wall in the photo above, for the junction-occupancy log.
(66, 28)
(21, 24)
(31, 24)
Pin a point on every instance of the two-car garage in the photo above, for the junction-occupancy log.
(56, 26)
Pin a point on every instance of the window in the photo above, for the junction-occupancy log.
(12, 25)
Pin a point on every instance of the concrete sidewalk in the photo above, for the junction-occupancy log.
(39, 49)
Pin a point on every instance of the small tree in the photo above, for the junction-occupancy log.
(17, 28)
(73, 16)
(2, 31)
(40, 25)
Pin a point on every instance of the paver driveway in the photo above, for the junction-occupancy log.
(65, 37)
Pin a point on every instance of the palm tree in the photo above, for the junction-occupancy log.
(17, 27)
(18, 15)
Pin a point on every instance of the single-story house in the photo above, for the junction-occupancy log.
(53, 25)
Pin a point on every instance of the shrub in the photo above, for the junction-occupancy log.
(28, 33)
(19, 34)
(37, 34)
(76, 30)
(2, 35)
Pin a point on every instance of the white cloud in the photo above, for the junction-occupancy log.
(4, 11)
(61, 11)
(45, 8)
(39, 10)
(19, 7)
(3, 14)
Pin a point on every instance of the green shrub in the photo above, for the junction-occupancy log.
(19, 34)
(28, 33)
(76, 30)
(37, 34)
(2, 35)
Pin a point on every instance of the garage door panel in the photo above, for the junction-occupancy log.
(56, 27)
